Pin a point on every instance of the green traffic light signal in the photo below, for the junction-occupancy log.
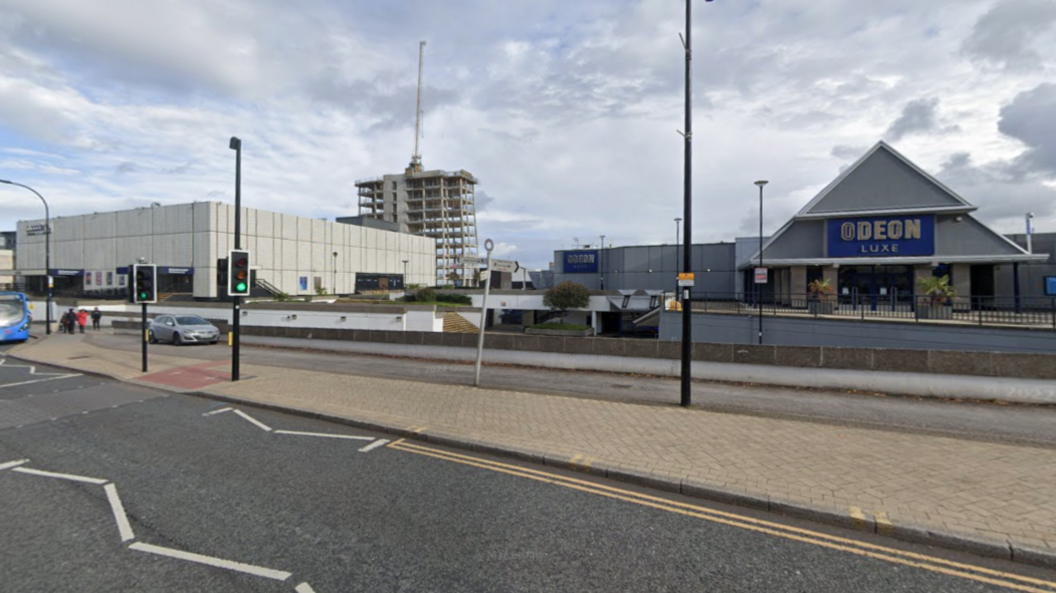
(240, 287)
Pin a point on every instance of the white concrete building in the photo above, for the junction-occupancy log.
(296, 255)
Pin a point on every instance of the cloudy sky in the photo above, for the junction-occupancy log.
(566, 111)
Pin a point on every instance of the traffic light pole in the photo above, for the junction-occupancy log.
(146, 336)
(236, 312)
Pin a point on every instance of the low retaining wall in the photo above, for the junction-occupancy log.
(983, 364)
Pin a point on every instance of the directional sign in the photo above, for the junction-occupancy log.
(504, 265)
(470, 260)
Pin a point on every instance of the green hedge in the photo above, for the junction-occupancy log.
(455, 299)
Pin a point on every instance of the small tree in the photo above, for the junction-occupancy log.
(937, 290)
(565, 296)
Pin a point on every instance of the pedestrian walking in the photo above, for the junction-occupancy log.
(82, 319)
(62, 322)
(97, 315)
(70, 320)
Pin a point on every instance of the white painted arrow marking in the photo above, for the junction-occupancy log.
(70, 477)
(258, 423)
(123, 526)
(374, 445)
(220, 411)
(11, 464)
(323, 435)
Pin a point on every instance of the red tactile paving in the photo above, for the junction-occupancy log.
(192, 377)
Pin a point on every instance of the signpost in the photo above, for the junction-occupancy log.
(489, 245)
(686, 279)
(762, 275)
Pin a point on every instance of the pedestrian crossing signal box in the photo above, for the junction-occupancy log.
(143, 284)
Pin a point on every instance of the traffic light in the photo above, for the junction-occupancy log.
(144, 284)
(238, 273)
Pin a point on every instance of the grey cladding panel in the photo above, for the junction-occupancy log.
(804, 239)
(884, 181)
(968, 237)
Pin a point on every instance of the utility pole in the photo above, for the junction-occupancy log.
(236, 145)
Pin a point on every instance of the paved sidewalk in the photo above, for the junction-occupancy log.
(989, 498)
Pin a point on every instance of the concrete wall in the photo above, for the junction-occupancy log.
(783, 331)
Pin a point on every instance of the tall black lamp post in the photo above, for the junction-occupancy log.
(687, 204)
(405, 274)
(759, 286)
(236, 145)
(47, 250)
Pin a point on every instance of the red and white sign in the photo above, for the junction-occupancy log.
(762, 275)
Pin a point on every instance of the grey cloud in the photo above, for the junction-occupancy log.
(126, 168)
(1001, 195)
(917, 116)
(1004, 35)
(848, 153)
(482, 200)
(1029, 119)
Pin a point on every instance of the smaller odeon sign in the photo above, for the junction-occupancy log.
(891, 236)
(581, 262)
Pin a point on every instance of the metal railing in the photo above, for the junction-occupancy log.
(1039, 312)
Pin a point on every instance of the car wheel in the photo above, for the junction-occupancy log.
(176, 339)
(151, 337)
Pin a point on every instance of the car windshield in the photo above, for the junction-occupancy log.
(191, 320)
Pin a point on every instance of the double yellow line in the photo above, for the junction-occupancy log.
(939, 565)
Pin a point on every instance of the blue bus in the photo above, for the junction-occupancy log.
(14, 317)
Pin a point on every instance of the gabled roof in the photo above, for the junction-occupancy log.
(883, 181)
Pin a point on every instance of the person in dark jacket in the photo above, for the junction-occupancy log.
(97, 316)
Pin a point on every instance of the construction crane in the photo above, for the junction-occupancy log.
(416, 158)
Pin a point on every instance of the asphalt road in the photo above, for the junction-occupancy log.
(306, 513)
(1015, 424)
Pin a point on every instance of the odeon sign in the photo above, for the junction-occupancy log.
(880, 237)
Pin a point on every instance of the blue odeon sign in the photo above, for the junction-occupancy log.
(889, 236)
(581, 262)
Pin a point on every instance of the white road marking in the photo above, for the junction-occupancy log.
(259, 424)
(70, 477)
(220, 411)
(374, 445)
(304, 588)
(11, 464)
(123, 526)
(259, 571)
(39, 380)
(320, 434)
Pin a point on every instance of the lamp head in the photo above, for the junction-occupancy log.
(235, 143)
(761, 182)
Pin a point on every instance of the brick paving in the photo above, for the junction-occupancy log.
(985, 492)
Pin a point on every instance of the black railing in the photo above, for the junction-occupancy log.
(1037, 312)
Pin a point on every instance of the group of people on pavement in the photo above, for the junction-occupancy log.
(73, 319)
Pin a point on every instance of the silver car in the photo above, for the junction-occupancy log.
(182, 329)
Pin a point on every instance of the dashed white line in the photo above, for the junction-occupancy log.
(123, 526)
(324, 435)
(220, 411)
(259, 571)
(259, 424)
(11, 464)
(70, 477)
(304, 588)
(374, 445)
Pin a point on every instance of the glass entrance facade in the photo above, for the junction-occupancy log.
(875, 284)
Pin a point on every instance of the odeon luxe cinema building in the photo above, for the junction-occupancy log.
(881, 226)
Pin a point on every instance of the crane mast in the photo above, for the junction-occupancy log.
(416, 158)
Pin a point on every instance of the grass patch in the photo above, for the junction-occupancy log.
(565, 326)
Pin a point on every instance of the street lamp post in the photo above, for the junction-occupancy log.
(335, 273)
(601, 255)
(1030, 232)
(47, 250)
(236, 145)
(405, 274)
(759, 287)
(687, 204)
(678, 241)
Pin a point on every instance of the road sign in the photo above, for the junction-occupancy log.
(685, 282)
(686, 276)
(471, 260)
(761, 275)
(504, 265)
(484, 275)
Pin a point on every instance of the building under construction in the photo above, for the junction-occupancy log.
(436, 204)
